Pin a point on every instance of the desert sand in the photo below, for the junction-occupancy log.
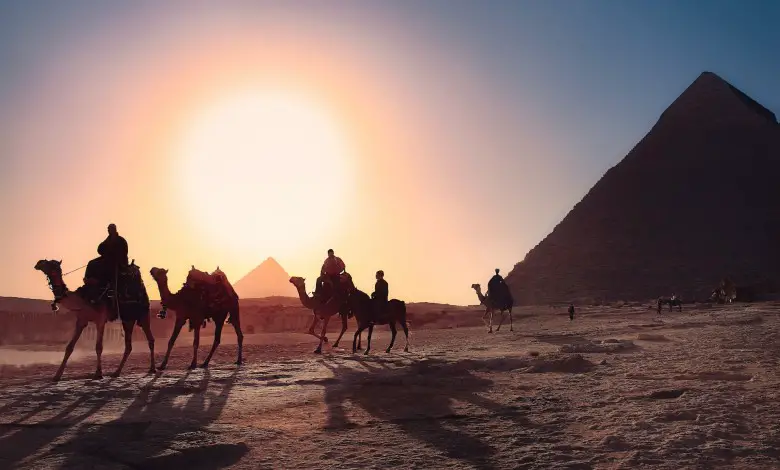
(615, 388)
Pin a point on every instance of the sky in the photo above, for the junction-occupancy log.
(434, 140)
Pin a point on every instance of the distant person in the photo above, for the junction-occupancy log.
(381, 292)
(571, 312)
(332, 268)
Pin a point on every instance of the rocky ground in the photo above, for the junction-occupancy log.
(615, 388)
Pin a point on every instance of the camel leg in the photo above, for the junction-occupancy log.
(176, 330)
(484, 317)
(80, 325)
(101, 327)
(322, 336)
(127, 326)
(313, 333)
(501, 322)
(195, 346)
(311, 328)
(490, 324)
(393, 332)
(147, 329)
(343, 329)
(510, 319)
(368, 346)
(356, 338)
(236, 321)
(217, 340)
(406, 333)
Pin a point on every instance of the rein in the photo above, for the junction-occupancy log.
(70, 272)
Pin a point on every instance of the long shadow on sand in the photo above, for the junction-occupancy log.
(419, 400)
(157, 431)
(20, 439)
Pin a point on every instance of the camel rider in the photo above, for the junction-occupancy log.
(381, 292)
(496, 284)
(113, 249)
(331, 270)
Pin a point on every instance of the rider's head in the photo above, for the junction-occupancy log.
(112, 229)
(380, 274)
(330, 253)
(497, 270)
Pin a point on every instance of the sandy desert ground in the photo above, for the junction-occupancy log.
(616, 388)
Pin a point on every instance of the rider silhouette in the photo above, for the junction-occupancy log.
(113, 249)
(381, 292)
(331, 270)
(105, 269)
(496, 284)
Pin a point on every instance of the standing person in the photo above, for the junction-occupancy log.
(571, 312)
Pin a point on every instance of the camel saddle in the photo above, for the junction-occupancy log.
(123, 289)
(211, 288)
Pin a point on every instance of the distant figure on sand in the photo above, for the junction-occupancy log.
(673, 301)
(381, 293)
(571, 312)
(332, 268)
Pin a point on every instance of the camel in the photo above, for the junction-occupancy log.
(671, 302)
(367, 316)
(190, 304)
(491, 307)
(98, 314)
(324, 310)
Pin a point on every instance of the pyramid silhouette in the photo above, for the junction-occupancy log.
(696, 200)
(266, 280)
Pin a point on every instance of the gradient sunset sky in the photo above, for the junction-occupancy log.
(435, 140)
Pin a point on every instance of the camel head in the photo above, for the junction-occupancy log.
(53, 271)
(298, 282)
(160, 275)
(51, 268)
(476, 287)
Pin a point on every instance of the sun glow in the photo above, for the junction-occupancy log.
(264, 171)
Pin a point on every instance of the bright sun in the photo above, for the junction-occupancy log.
(264, 172)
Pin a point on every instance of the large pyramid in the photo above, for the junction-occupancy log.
(696, 200)
(266, 280)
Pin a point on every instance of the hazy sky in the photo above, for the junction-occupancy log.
(454, 134)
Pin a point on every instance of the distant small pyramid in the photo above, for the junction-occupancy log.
(266, 280)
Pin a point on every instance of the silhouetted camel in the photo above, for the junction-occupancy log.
(190, 304)
(671, 302)
(324, 310)
(491, 306)
(99, 314)
(366, 314)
